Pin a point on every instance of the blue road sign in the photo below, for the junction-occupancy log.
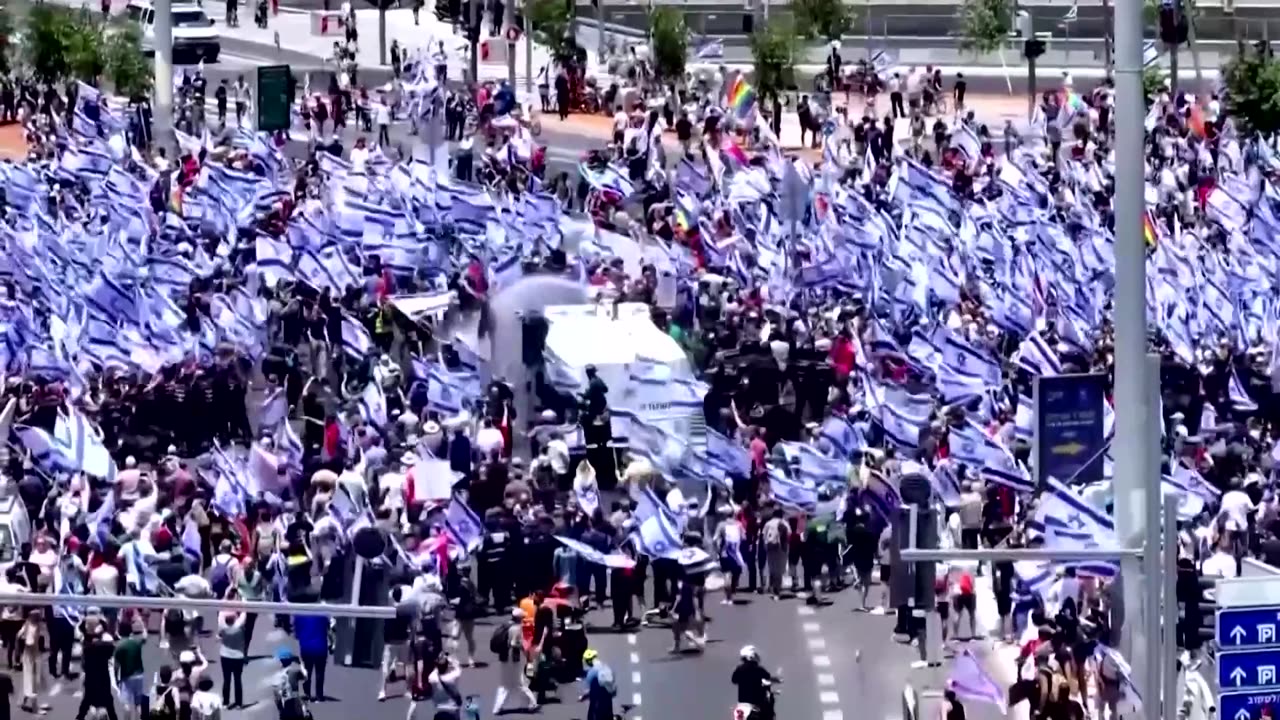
(1247, 705)
(1069, 436)
(1248, 627)
(1249, 669)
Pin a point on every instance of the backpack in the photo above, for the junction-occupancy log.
(220, 578)
(499, 644)
(165, 707)
(174, 622)
(772, 534)
(604, 675)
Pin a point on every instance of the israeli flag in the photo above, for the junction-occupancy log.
(68, 584)
(464, 525)
(791, 492)
(74, 446)
(373, 405)
(591, 555)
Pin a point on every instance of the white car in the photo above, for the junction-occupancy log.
(194, 36)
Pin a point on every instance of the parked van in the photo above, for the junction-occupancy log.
(194, 36)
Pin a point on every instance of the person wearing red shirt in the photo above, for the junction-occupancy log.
(843, 357)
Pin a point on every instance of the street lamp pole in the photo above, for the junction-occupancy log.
(162, 112)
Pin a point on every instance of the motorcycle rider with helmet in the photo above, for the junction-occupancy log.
(754, 685)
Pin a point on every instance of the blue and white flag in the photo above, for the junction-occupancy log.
(191, 543)
(74, 446)
(373, 405)
(464, 525)
(68, 584)
(970, 681)
(592, 555)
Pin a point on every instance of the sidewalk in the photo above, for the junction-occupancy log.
(992, 110)
(292, 29)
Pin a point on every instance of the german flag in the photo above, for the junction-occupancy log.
(1149, 230)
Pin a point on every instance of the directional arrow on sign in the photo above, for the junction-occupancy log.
(1237, 635)
(1242, 715)
(1237, 676)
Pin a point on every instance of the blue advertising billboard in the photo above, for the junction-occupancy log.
(1069, 435)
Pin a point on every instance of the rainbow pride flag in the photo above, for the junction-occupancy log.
(683, 222)
(742, 98)
(734, 152)
(1072, 101)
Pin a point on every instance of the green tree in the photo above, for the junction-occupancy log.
(6, 40)
(126, 66)
(85, 47)
(1152, 82)
(774, 49)
(552, 26)
(669, 41)
(985, 25)
(46, 41)
(825, 19)
(1252, 81)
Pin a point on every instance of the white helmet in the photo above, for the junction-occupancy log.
(748, 652)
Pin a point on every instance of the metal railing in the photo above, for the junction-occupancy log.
(206, 604)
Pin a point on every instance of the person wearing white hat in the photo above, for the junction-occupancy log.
(508, 644)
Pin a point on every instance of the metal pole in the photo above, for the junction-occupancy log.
(1132, 476)
(600, 30)
(509, 21)
(919, 625)
(356, 580)
(473, 34)
(528, 55)
(382, 36)
(184, 603)
(1152, 583)
(1107, 34)
(1019, 554)
(162, 112)
(1169, 686)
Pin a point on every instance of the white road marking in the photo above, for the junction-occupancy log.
(826, 679)
(635, 699)
(635, 677)
(829, 697)
(821, 661)
(817, 643)
(635, 658)
(832, 715)
(804, 609)
(631, 639)
(812, 627)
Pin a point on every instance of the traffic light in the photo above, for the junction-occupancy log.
(1197, 606)
(1173, 23)
(1033, 48)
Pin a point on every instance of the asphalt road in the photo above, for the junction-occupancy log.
(835, 663)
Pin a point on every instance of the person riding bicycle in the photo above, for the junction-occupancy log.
(753, 682)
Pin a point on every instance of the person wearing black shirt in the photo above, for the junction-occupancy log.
(684, 130)
(805, 116)
(955, 709)
(753, 682)
(98, 652)
(595, 405)
(494, 573)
